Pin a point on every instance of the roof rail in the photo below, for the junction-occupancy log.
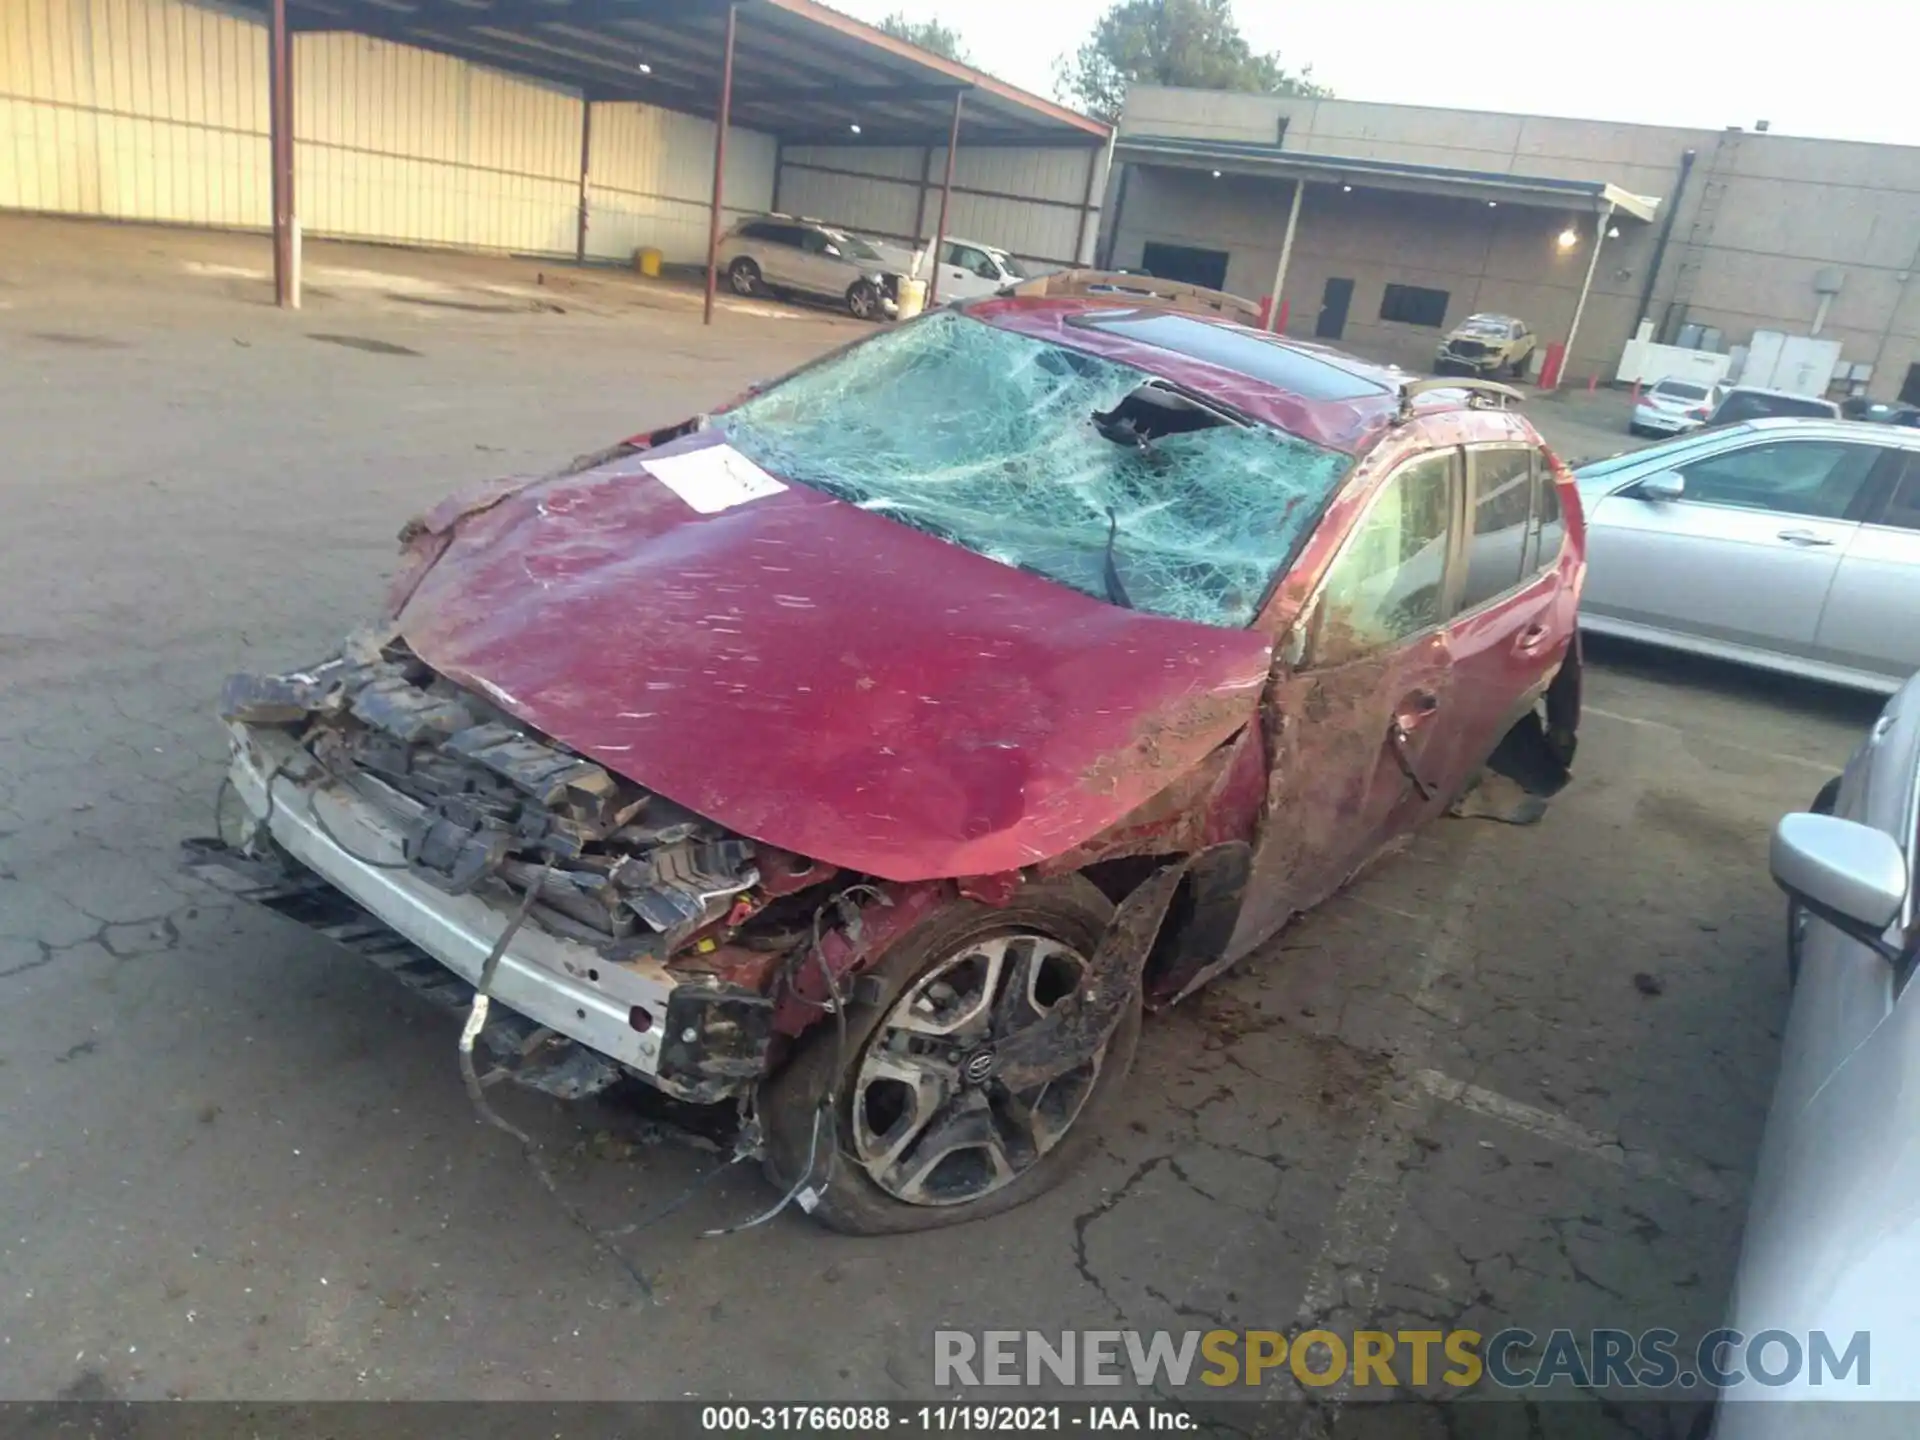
(1481, 394)
(1140, 289)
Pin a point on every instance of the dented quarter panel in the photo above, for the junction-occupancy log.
(823, 679)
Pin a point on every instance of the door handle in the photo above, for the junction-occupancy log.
(1397, 742)
(1415, 711)
(1804, 538)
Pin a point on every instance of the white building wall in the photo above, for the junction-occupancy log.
(1025, 200)
(398, 144)
(651, 181)
(136, 109)
(156, 110)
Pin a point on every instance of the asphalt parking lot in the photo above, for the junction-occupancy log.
(1512, 1076)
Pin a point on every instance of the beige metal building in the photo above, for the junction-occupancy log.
(1409, 219)
(548, 127)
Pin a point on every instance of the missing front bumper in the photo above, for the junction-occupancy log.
(571, 1021)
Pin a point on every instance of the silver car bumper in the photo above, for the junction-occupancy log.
(1663, 421)
(560, 984)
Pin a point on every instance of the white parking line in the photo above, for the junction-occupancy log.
(1773, 755)
(1343, 1284)
(1695, 1180)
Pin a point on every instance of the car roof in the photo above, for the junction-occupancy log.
(1312, 391)
(1704, 442)
(1819, 427)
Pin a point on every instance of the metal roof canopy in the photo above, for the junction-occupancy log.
(1250, 158)
(801, 71)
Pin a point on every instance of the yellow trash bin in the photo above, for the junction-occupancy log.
(913, 298)
(647, 260)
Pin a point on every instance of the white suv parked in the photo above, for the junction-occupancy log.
(781, 253)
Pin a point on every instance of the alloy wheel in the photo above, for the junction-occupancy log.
(932, 1123)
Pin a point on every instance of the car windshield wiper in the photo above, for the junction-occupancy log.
(1110, 571)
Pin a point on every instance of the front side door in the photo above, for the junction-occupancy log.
(1872, 618)
(1334, 300)
(1354, 717)
(1745, 556)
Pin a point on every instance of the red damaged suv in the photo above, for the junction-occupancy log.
(871, 752)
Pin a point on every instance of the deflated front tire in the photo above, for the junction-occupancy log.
(904, 1124)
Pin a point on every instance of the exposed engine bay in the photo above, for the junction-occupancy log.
(476, 796)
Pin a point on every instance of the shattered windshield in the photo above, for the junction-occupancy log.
(1088, 472)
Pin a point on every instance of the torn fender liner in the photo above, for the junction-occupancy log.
(1078, 1026)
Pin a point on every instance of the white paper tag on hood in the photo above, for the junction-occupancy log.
(716, 478)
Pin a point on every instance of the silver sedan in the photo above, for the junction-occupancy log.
(1832, 1242)
(1793, 545)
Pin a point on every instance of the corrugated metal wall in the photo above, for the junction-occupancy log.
(1024, 200)
(140, 109)
(157, 110)
(399, 144)
(651, 179)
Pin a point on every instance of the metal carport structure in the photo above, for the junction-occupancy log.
(793, 68)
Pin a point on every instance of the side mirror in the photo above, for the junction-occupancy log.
(1850, 875)
(1665, 485)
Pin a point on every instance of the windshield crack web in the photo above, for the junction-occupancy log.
(986, 439)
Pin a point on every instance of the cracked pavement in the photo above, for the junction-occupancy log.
(239, 1163)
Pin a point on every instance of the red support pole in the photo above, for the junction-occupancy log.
(280, 151)
(586, 153)
(720, 163)
(946, 197)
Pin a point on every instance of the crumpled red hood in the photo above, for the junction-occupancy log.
(822, 679)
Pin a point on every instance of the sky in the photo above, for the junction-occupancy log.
(1845, 74)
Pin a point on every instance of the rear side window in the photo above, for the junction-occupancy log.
(1549, 526)
(1903, 506)
(1502, 498)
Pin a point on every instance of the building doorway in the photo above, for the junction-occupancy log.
(1207, 268)
(1910, 392)
(1334, 301)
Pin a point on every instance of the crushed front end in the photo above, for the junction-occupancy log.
(412, 820)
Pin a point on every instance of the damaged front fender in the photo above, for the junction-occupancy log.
(1076, 1029)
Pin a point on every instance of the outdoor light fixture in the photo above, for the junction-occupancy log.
(1613, 232)
(1492, 204)
(1347, 188)
(1568, 238)
(1216, 174)
(855, 127)
(644, 68)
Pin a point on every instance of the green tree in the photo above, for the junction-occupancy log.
(927, 34)
(1171, 42)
